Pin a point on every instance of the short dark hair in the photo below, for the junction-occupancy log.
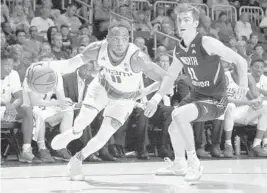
(64, 26)
(256, 60)
(20, 31)
(121, 23)
(258, 45)
(83, 26)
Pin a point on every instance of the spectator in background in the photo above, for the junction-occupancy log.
(50, 33)
(167, 42)
(263, 23)
(20, 36)
(9, 33)
(87, 30)
(17, 53)
(160, 16)
(253, 3)
(46, 49)
(253, 41)
(226, 29)
(66, 40)
(142, 23)
(140, 43)
(4, 13)
(85, 40)
(57, 47)
(43, 22)
(28, 9)
(241, 47)
(232, 43)
(73, 22)
(58, 19)
(19, 20)
(259, 53)
(205, 27)
(243, 27)
(33, 44)
(12, 107)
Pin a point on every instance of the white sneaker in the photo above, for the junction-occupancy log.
(75, 167)
(174, 168)
(195, 170)
(62, 140)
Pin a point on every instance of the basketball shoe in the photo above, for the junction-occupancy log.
(75, 166)
(63, 139)
(177, 168)
(195, 170)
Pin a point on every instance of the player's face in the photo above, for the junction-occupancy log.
(186, 23)
(257, 69)
(118, 40)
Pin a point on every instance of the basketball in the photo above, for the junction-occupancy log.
(41, 79)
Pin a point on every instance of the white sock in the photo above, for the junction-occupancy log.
(192, 155)
(264, 141)
(256, 142)
(228, 142)
(41, 144)
(26, 147)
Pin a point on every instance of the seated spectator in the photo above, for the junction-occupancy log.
(57, 47)
(88, 31)
(46, 50)
(66, 40)
(58, 19)
(159, 17)
(259, 54)
(28, 9)
(50, 33)
(33, 44)
(226, 28)
(253, 41)
(43, 22)
(85, 12)
(170, 18)
(84, 40)
(52, 111)
(19, 20)
(243, 27)
(140, 42)
(253, 3)
(142, 23)
(206, 28)
(12, 107)
(232, 43)
(167, 42)
(245, 112)
(241, 47)
(9, 33)
(73, 22)
(257, 70)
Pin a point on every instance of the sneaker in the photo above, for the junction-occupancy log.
(75, 167)
(45, 156)
(63, 155)
(28, 157)
(228, 151)
(195, 170)
(62, 140)
(174, 168)
(258, 151)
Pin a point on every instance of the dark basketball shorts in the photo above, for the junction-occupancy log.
(209, 108)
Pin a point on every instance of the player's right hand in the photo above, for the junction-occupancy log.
(151, 108)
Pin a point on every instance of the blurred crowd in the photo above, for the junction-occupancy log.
(46, 32)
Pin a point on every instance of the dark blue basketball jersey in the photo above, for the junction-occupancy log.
(206, 71)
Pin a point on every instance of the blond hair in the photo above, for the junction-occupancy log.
(186, 7)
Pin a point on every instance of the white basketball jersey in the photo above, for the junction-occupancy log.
(120, 76)
(231, 86)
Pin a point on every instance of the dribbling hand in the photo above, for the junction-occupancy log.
(151, 108)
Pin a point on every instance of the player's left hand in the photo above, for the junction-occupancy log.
(151, 108)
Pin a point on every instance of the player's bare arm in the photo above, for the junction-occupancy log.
(215, 47)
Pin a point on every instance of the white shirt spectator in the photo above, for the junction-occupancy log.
(10, 85)
(243, 29)
(41, 24)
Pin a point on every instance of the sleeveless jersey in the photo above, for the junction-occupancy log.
(205, 71)
(120, 76)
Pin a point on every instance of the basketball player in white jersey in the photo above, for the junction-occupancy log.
(115, 89)
(248, 110)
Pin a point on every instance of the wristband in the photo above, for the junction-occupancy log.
(157, 97)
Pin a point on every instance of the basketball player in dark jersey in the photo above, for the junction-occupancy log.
(200, 58)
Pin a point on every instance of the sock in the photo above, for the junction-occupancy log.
(191, 155)
(256, 142)
(26, 147)
(264, 141)
(41, 144)
(228, 142)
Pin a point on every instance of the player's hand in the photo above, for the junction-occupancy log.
(66, 103)
(10, 113)
(241, 92)
(151, 108)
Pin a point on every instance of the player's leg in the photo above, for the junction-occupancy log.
(95, 100)
(228, 129)
(115, 114)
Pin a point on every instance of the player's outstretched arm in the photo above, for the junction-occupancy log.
(70, 65)
(215, 47)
